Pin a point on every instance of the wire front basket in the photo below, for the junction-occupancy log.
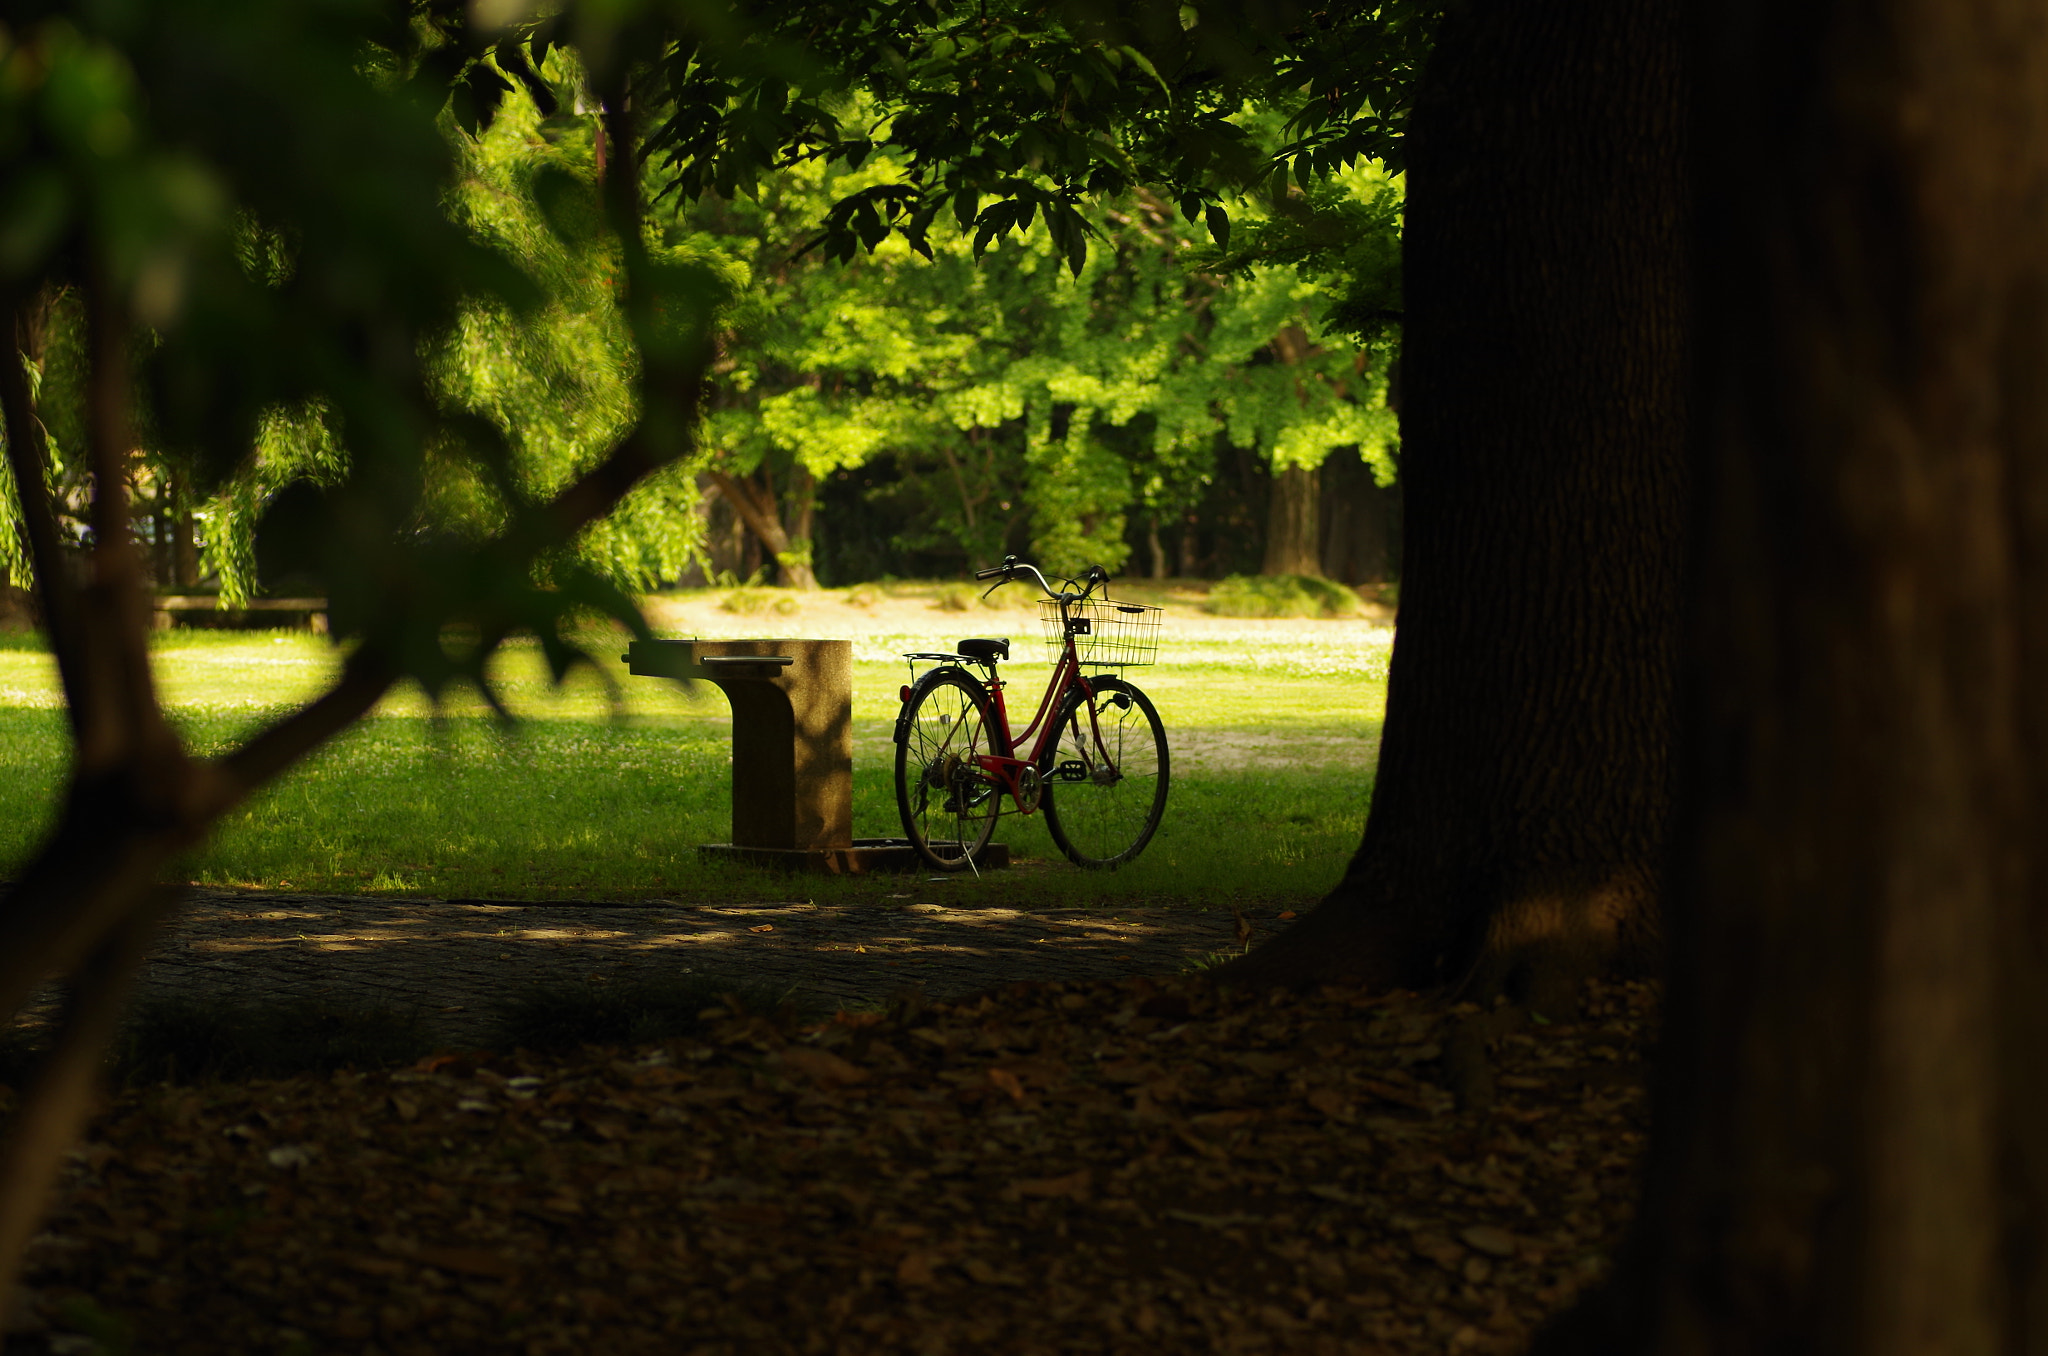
(1107, 634)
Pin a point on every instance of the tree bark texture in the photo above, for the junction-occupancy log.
(1293, 520)
(1851, 1150)
(1521, 807)
(1361, 522)
(757, 507)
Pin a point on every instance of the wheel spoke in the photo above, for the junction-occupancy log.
(1106, 777)
(947, 805)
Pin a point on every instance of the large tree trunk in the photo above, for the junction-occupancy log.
(1851, 1152)
(1521, 807)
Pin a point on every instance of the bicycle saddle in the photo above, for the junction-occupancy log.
(986, 649)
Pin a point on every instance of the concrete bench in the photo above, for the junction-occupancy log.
(250, 613)
(792, 750)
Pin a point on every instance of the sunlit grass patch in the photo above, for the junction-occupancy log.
(606, 791)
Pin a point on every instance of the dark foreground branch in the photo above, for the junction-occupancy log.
(364, 680)
(28, 457)
(55, 1107)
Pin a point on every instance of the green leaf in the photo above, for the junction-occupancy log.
(1144, 63)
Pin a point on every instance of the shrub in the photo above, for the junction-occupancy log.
(746, 601)
(1281, 595)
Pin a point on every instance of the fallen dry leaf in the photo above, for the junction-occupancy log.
(1008, 1082)
(464, 1260)
(1073, 1185)
(1489, 1239)
(1130, 1167)
(916, 1268)
(824, 1066)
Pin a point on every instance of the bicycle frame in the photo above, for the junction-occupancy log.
(1007, 770)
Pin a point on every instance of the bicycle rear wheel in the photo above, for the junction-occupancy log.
(947, 802)
(1105, 778)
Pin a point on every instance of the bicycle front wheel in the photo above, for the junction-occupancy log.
(1105, 774)
(948, 804)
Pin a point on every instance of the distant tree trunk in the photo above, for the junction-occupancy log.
(750, 551)
(1359, 522)
(1294, 512)
(1293, 541)
(793, 560)
(1521, 808)
(1851, 1152)
(184, 536)
(756, 507)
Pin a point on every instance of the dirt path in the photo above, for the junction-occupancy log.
(454, 961)
(941, 608)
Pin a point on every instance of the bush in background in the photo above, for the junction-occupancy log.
(1282, 595)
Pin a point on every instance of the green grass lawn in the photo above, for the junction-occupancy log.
(603, 794)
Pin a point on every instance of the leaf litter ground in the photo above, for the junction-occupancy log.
(1132, 1166)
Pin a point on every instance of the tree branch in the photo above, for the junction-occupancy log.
(671, 386)
(959, 482)
(621, 189)
(594, 493)
(55, 1107)
(28, 456)
(107, 675)
(758, 519)
(109, 440)
(364, 680)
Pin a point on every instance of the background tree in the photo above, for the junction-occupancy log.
(1016, 406)
(1342, 232)
(1002, 116)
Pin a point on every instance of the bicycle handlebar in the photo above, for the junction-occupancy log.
(1011, 567)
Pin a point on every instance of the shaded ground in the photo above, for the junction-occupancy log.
(1121, 1166)
(454, 962)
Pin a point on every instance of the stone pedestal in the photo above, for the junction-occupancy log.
(792, 752)
(792, 733)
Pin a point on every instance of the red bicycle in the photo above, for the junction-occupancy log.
(1093, 757)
